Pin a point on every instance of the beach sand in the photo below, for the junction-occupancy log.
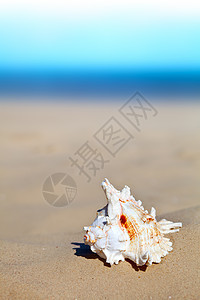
(41, 246)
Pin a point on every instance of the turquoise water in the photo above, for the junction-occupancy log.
(65, 83)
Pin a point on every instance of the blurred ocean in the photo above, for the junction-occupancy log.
(178, 84)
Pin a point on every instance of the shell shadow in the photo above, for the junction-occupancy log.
(84, 251)
(135, 267)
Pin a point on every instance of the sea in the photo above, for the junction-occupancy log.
(94, 85)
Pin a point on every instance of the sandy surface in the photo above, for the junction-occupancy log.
(41, 246)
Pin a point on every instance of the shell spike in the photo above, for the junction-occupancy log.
(153, 212)
(168, 226)
(107, 185)
(125, 193)
(112, 196)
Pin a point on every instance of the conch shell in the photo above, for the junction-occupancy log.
(123, 229)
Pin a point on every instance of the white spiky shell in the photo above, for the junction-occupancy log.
(123, 229)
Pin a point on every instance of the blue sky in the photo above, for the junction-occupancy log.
(96, 34)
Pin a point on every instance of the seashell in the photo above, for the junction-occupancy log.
(123, 229)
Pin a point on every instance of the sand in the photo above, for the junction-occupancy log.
(41, 246)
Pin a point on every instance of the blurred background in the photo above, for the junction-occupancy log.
(99, 48)
(66, 67)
